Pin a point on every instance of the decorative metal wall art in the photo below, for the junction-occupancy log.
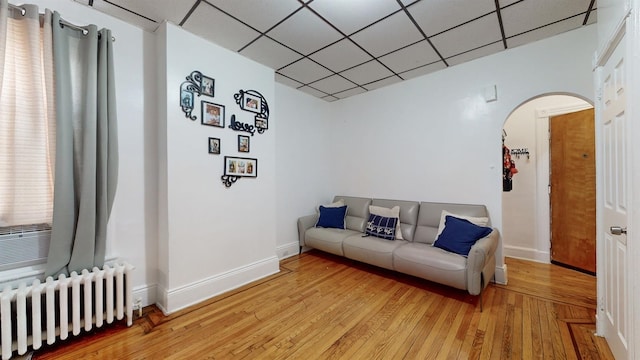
(195, 83)
(253, 101)
(240, 126)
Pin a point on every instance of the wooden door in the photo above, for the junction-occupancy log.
(573, 190)
(615, 203)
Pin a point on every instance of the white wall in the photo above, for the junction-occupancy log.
(434, 138)
(525, 209)
(303, 166)
(213, 238)
(133, 222)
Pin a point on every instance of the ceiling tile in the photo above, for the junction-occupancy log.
(145, 18)
(213, 25)
(270, 53)
(477, 53)
(305, 32)
(528, 15)
(381, 83)
(345, 94)
(312, 91)
(305, 71)
(366, 73)
(423, 70)
(388, 35)
(353, 15)
(410, 57)
(504, 3)
(330, 98)
(545, 32)
(469, 36)
(333, 84)
(341, 55)
(286, 81)
(262, 15)
(593, 17)
(435, 16)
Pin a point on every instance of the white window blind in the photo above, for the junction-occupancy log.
(27, 119)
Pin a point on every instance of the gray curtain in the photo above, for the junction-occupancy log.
(86, 143)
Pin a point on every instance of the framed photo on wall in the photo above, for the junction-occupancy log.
(214, 146)
(243, 143)
(207, 86)
(251, 103)
(212, 114)
(261, 122)
(240, 167)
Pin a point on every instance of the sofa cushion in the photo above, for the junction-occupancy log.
(430, 214)
(332, 217)
(459, 235)
(431, 263)
(382, 227)
(480, 221)
(357, 212)
(393, 212)
(371, 250)
(329, 240)
(408, 215)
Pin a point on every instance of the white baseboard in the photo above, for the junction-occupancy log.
(179, 298)
(147, 294)
(527, 254)
(500, 276)
(288, 250)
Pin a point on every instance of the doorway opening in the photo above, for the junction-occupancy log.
(527, 206)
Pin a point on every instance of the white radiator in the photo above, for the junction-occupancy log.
(48, 311)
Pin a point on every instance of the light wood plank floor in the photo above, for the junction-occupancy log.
(324, 307)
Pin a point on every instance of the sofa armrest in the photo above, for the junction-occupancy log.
(481, 263)
(305, 223)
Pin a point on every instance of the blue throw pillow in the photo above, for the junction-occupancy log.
(459, 235)
(382, 227)
(332, 217)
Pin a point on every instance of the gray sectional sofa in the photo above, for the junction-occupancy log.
(414, 255)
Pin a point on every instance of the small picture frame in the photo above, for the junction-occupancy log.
(243, 144)
(261, 122)
(207, 86)
(214, 146)
(251, 103)
(186, 99)
(240, 167)
(212, 114)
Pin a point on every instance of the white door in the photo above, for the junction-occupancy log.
(615, 202)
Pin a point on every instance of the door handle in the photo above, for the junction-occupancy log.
(617, 230)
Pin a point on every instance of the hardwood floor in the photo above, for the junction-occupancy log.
(325, 307)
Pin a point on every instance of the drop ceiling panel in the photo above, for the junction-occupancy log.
(435, 16)
(528, 15)
(156, 10)
(352, 15)
(387, 35)
(345, 94)
(305, 32)
(305, 71)
(545, 32)
(286, 81)
(312, 91)
(141, 20)
(469, 36)
(262, 15)
(411, 57)
(383, 82)
(333, 84)
(367, 73)
(341, 55)
(474, 54)
(211, 24)
(270, 53)
(423, 70)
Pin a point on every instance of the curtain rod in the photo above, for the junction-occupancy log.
(62, 21)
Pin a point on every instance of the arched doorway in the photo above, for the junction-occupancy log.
(526, 228)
